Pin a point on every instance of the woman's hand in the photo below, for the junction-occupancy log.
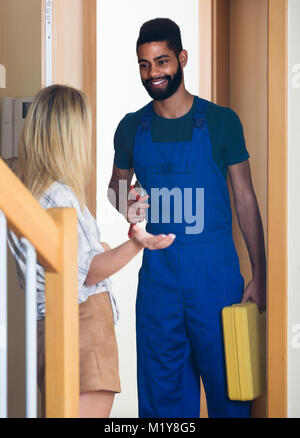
(111, 261)
(147, 240)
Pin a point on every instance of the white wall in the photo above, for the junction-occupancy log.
(120, 91)
(293, 210)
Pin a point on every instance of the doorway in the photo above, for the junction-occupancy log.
(119, 92)
(249, 74)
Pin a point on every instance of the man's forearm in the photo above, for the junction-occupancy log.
(250, 223)
(113, 194)
(118, 189)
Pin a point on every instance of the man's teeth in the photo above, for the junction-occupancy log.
(158, 82)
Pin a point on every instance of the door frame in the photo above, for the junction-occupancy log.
(75, 34)
(276, 391)
(277, 210)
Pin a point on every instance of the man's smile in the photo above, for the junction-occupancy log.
(157, 83)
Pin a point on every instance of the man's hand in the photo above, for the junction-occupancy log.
(124, 200)
(147, 240)
(136, 207)
(256, 293)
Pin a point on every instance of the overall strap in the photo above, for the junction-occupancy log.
(146, 117)
(200, 114)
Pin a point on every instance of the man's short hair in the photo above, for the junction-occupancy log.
(161, 29)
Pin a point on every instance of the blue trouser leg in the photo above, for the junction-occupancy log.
(206, 292)
(204, 328)
(168, 381)
(166, 389)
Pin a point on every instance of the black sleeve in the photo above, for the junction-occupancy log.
(235, 150)
(123, 144)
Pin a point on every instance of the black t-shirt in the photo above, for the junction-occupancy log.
(225, 129)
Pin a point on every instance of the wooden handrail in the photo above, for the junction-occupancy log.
(62, 324)
(53, 233)
(26, 218)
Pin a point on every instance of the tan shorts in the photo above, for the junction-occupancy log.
(99, 367)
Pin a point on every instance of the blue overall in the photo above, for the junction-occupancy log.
(183, 288)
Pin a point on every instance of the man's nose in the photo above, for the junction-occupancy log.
(155, 72)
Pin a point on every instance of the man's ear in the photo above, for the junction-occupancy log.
(183, 58)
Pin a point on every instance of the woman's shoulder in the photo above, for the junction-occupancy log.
(59, 195)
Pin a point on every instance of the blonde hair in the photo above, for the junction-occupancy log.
(55, 143)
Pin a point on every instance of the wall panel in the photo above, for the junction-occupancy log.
(21, 54)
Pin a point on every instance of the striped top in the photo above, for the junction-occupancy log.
(60, 195)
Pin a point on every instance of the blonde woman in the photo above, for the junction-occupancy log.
(54, 164)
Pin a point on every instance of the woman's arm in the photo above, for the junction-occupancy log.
(111, 261)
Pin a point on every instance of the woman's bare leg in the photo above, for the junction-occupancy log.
(96, 404)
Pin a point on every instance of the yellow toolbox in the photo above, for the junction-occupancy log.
(244, 330)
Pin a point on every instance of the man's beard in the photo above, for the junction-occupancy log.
(169, 90)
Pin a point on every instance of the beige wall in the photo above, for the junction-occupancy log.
(74, 62)
(248, 96)
(20, 36)
(248, 68)
(68, 47)
(20, 53)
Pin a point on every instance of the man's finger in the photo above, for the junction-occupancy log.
(136, 219)
(143, 205)
(245, 298)
(133, 194)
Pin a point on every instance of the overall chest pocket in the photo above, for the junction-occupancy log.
(171, 168)
(172, 175)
